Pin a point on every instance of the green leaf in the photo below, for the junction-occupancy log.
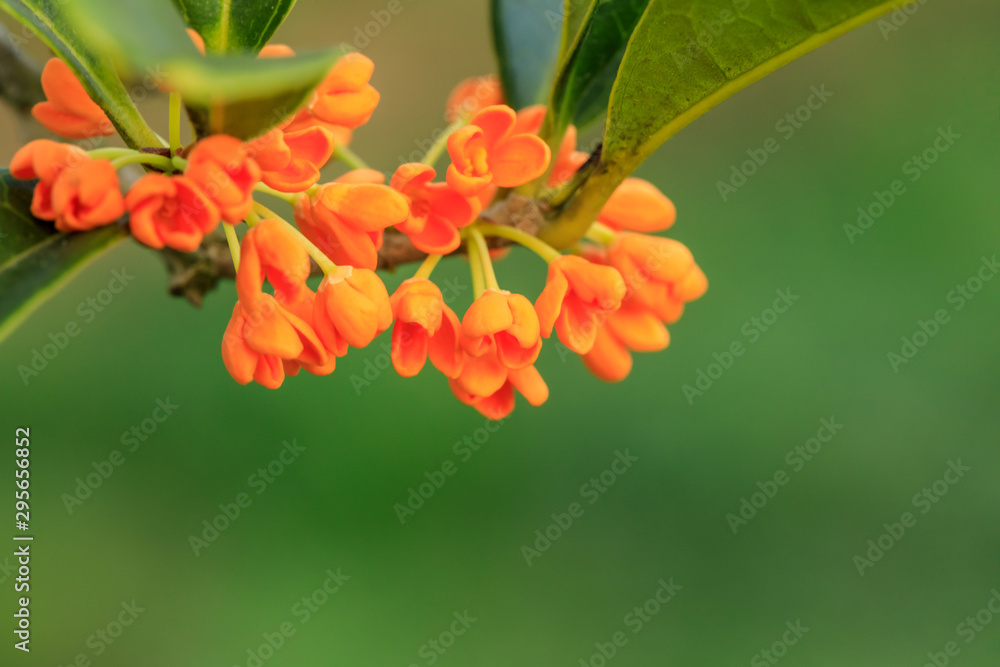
(588, 68)
(50, 20)
(685, 57)
(234, 94)
(234, 26)
(35, 259)
(667, 79)
(526, 36)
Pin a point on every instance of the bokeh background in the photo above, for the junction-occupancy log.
(333, 507)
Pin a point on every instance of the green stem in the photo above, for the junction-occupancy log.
(234, 244)
(180, 164)
(536, 245)
(476, 267)
(175, 123)
(349, 157)
(317, 254)
(290, 198)
(441, 143)
(601, 233)
(484, 252)
(252, 219)
(110, 153)
(158, 161)
(427, 268)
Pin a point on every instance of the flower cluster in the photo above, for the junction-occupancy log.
(612, 294)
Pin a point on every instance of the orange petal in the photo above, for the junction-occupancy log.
(495, 122)
(608, 359)
(529, 382)
(518, 160)
(444, 351)
(638, 329)
(638, 205)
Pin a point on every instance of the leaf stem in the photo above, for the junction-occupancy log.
(536, 245)
(427, 268)
(601, 233)
(175, 122)
(484, 252)
(349, 157)
(290, 198)
(439, 145)
(324, 262)
(476, 267)
(158, 161)
(234, 244)
(111, 153)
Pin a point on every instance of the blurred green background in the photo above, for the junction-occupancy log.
(332, 507)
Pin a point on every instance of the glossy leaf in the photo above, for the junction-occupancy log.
(236, 94)
(526, 37)
(35, 259)
(667, 79)
(234, 26)
(590, 64)
(51, 21)
(686, 56)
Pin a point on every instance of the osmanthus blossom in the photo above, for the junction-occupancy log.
(611, 295)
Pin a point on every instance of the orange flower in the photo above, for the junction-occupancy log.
(472, 96)
(345, 97)
(269, 252)
(170, 211)
(352, 308)
(305, 120)
(290, 161)
(568, 160)
(222, 169)
(424, 326)
(259, 342)
(267, 335)
(45, 160)
(504, 323)
(631, 327)
(487, 152)
(86, 196)
(346, 220)
(68, 110)
(660, 273)
(436, 211)
(577, 295)
(639, 206)
(500, 403)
